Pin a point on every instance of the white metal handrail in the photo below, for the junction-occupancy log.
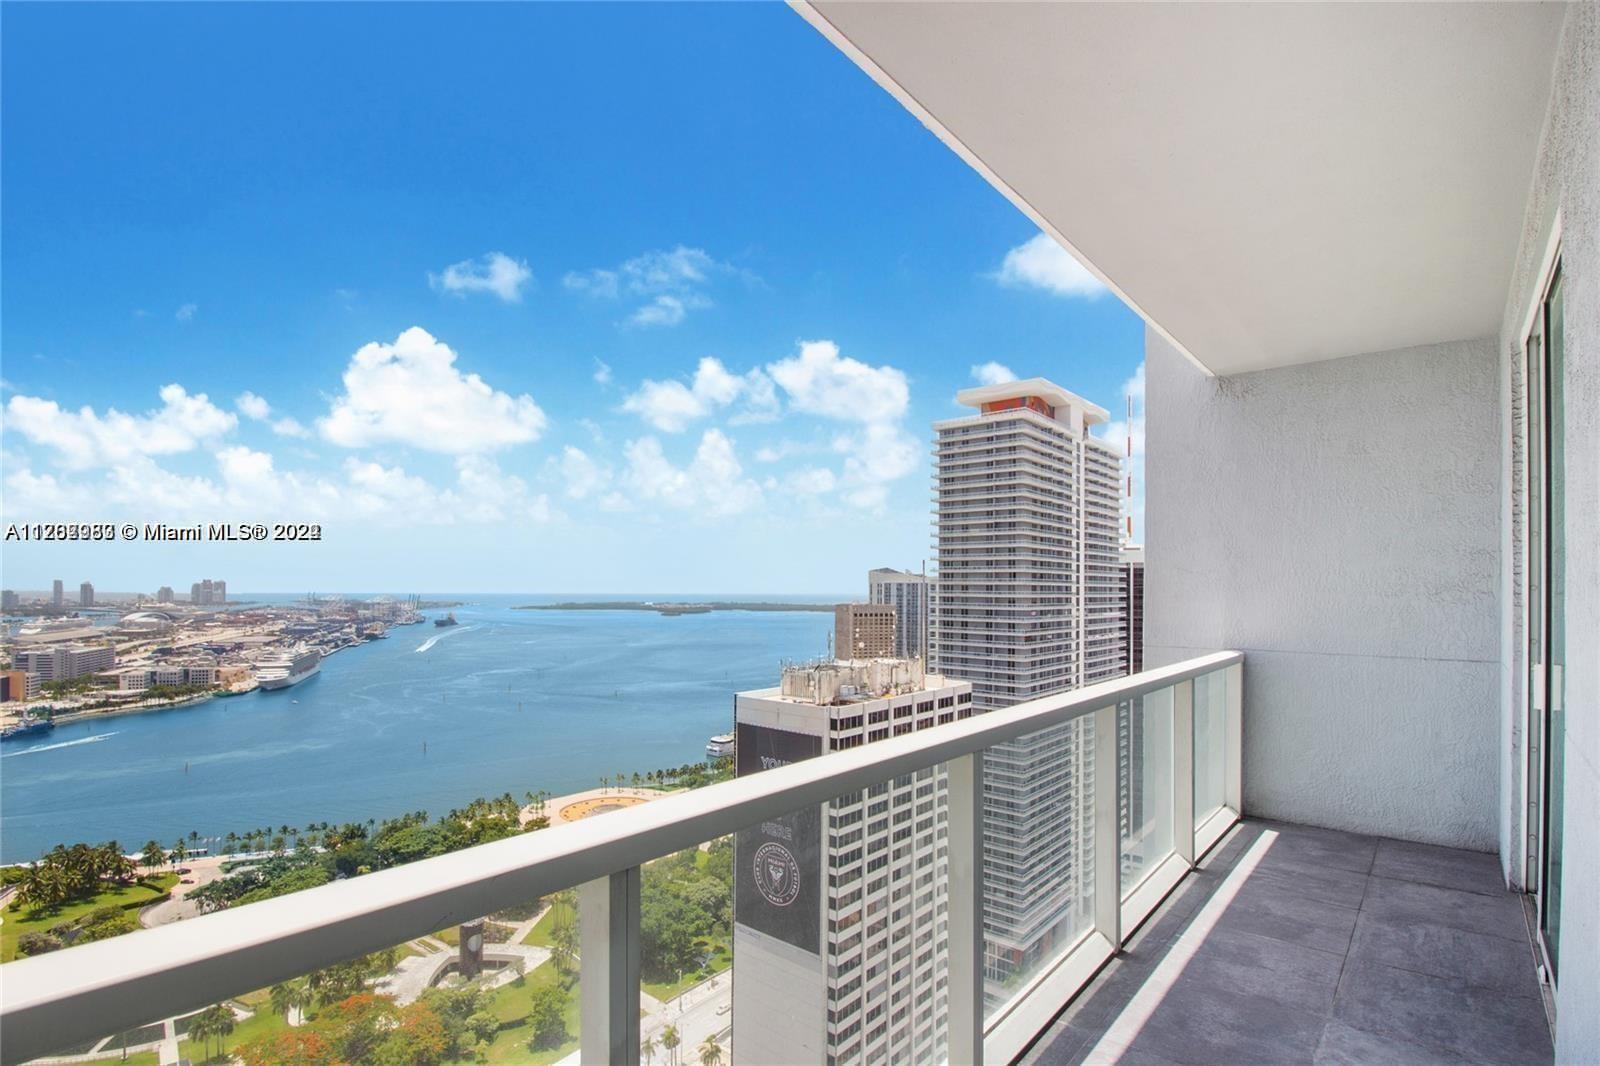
(67, 997)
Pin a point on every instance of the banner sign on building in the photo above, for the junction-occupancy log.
(778, 875)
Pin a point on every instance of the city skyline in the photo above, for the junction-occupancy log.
(584, 373)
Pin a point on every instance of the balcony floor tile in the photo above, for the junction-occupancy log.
(1292, 944)
(1466, 871)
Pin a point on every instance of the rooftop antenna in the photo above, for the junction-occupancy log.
(1130, 468)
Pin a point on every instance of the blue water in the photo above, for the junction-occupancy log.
(506, 701)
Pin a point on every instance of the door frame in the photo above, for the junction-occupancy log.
(1535, 683)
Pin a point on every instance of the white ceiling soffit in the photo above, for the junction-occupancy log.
(1267, 184)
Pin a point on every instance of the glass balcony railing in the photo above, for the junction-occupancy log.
(932, 896)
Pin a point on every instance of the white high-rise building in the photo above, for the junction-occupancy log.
(57, 593)
(1027, 603)
(840, 922)
(907, 593)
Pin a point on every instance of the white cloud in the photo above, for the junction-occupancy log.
(496, 273)
(584, 476)
(411, 392)
(664, 310)
(257, 409)
(186, 313)
(992, 373)
(252, 406)
(671, 406)
(874, 457)
(819, 381)
(1041, 263)
(42, 494)
(713, 483)
(811, 481)
(602, 372)
(672, 283)
(84, 439)
(289, 427)
(1128, 436)
(485, 493)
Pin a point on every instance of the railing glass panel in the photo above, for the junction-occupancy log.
(1210, 709)
(1144, 784)
(1039, 826)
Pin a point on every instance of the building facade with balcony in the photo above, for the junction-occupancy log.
(1028, 604)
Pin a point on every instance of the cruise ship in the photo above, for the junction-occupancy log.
(288, 669)
(720, 746)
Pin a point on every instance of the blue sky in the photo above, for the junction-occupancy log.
(522, 298)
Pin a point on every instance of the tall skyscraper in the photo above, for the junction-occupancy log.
(57, 595)
(839, 910)
(1027, 603)
(9, 600)
(219, 592)
(164, 594)
(863, 631)
(86, 595)
(907, 593)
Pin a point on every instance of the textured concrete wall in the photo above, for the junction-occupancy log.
(1339, 522)
(1566, 186)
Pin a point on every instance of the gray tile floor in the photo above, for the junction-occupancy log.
(1326, 948)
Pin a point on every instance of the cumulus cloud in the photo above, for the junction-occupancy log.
(671, 282)
(84, 438)
(811, 481)
(252, 406)
(602, 372)
(874, 457)
(1041, 263)
(992, 373)
(495, 273)
(411, 392)
(186, 313)
(821, 382)
(257, 409)
(584, 475)
(713, 482)
(671, 406)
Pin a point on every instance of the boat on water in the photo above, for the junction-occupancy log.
(720, 746)
(447, 620)
(29, 727)
(289, 669)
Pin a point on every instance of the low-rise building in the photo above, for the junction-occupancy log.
(66, 662)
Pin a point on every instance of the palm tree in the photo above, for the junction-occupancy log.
(669, 1040)
(153, 857)
(179, 852)
(648, 1049)
(283, 997)
(710, 1052)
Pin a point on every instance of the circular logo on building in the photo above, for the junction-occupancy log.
(777, 874)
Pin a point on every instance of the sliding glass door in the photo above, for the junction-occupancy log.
(1546, 613)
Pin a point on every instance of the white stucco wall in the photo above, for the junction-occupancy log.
(1339, 523)
(1566, 187)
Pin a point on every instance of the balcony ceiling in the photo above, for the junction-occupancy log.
(1266, 184)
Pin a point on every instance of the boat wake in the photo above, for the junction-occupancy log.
(431, 641)
(64, 744)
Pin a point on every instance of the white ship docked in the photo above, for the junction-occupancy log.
(720, 746)
(290, 669)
